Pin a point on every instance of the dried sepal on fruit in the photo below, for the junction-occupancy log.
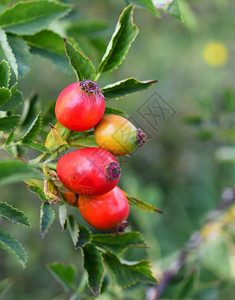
(107, 211)
(80, 106)
(89, 171)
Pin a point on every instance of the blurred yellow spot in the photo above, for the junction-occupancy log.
(215, 53)
(211, 231)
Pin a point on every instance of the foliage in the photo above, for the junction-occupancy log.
(189, 176)
(24, 31)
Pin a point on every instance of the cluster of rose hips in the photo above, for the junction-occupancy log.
(91, 174)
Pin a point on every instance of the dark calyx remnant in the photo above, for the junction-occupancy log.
(113, 171)
(75, 201)
(141, 137)
(120, 227)
(89, 86)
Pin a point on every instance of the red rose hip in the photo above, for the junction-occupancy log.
(80, 106)
(106, 211)
(89, 171)
(118, 135)
(71, 197)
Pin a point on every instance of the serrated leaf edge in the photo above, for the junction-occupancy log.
(143, 245)
(18, 211)
(37, 119)
(9, 67)
(102, 261)
(44, 234)
(15, 125)
(83, 55)
(110, 45)
(151, 82)
(68, 223)
(134, 282)
(23, 3)
(10, 54)
(13, 252)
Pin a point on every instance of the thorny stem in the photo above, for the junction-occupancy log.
(227, 199)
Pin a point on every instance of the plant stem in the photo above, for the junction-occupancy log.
(227, 199)
(97, 76)
(10, 145)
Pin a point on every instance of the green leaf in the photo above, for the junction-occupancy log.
(10, 138)
(5, 284)
(56, 136)
(129, 273)
(186, 288)
(87, 141)
(38, 191)
(81, 64)
(65, 275)
(36, 146)
(8, 123)
(47, 217)
(49, 45)
(8, 52)
(174, 10)
(5, 73)
(73, 229)
(125, 87)
(13, 214)
(84, 236)
(31, 17)
(63, 215)
(30, 110)
(21, 52)
(142, 205)
(47, 40)
(115, 111)
(15, 100)
(12, 246)
(14, 87)
(123, 36)
(5, 95)
(94, 266)
(33, 129)
(12, 150)
(80, 235)
(119, 243)
(147, 4)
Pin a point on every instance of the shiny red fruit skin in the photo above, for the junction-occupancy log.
(77, 109)
(71, 197)
(84, 171)
(106, 211)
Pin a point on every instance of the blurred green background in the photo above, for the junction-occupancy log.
(177, 170)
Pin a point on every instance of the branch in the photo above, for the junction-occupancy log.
(227, 199)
